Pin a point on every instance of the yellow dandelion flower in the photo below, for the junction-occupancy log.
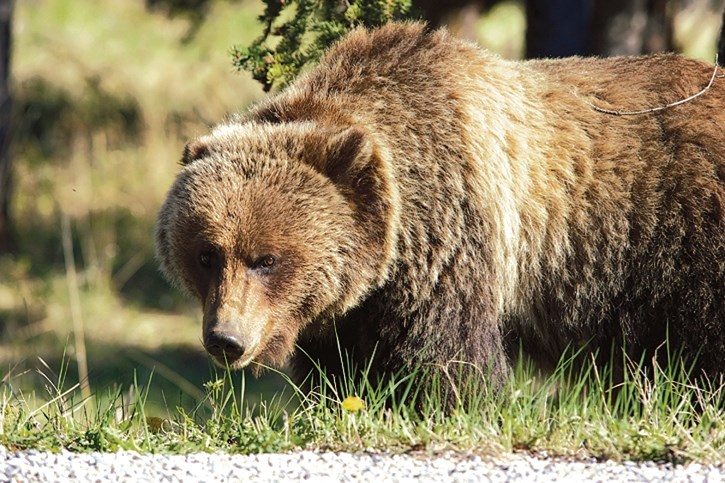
(353, 404)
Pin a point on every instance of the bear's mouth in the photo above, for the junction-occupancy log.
(234, 363)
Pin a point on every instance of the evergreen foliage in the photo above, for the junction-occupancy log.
(298, 31)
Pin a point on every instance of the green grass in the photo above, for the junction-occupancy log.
(657, 416)
(105, 97)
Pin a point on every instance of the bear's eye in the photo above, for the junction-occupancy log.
(208, 257)
(264, 263)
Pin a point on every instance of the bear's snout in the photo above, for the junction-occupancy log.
(234, 328)
(224, 346)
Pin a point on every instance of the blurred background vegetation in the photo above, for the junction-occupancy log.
(105, 94)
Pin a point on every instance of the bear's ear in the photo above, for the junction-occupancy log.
(346, 152)
(194, 151)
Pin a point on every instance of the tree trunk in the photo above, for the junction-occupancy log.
(557, 28)
(631, 27)
(6, 9)
(721, 42)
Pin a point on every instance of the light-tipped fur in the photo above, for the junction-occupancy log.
(434, 202)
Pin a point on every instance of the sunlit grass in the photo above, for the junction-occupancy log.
(501, 31)
(660, 416)
(696, 29)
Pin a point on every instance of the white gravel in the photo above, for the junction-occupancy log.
(331, 467)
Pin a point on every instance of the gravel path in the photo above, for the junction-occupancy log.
(330, 467)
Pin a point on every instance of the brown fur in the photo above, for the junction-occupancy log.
(426, 201)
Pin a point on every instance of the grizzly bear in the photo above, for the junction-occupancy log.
(414, 200)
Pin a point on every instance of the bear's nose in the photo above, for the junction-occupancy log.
(223, 346)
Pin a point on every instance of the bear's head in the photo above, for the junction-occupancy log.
(276, 228)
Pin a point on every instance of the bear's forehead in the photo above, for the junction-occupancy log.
(250, 227)
(250, 177)
(265, 200)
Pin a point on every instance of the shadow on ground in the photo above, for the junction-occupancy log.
(174, 376)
